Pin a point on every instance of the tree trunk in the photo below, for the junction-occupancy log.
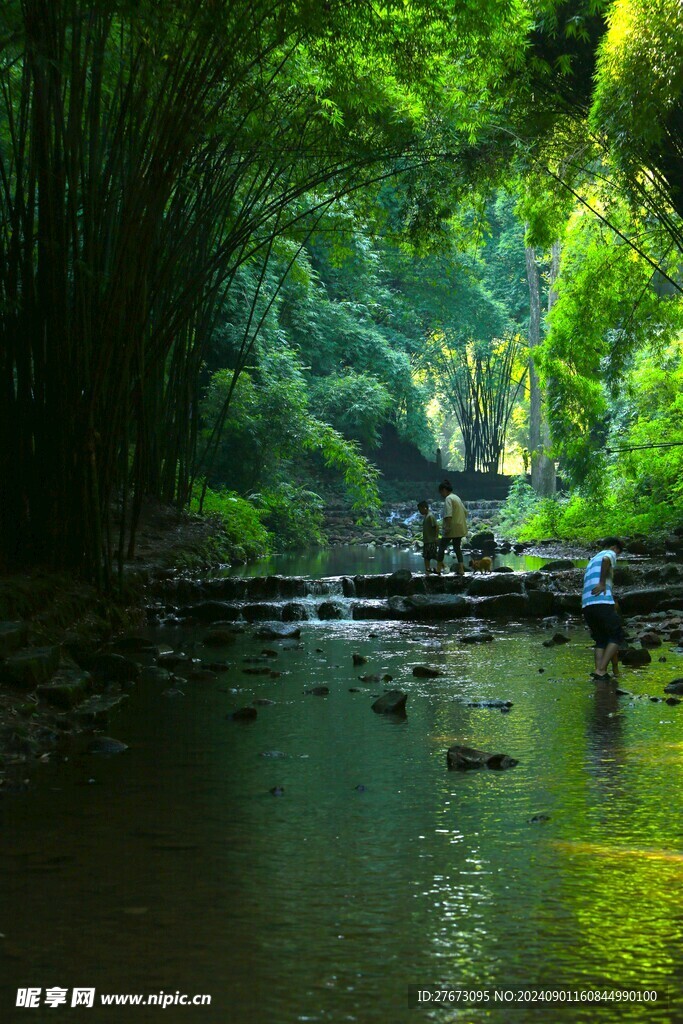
(542, 467)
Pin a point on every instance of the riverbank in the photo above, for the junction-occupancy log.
(70, 656)
(53, 624)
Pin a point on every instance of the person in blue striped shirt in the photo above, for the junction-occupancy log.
(599, 607)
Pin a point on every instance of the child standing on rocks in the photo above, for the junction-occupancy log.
(430, 535)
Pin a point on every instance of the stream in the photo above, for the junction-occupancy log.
(173, 867)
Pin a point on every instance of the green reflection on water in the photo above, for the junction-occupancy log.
(326, 903)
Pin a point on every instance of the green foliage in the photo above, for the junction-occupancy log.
(521, 503)
(361, 478)
(355, 403)
(245, 535)
(292, 515)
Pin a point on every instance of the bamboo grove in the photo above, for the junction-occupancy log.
(148, 151)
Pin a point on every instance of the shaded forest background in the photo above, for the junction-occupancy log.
(239, 239)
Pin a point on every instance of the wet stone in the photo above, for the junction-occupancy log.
(426, 672)
(274, 631)
(106, 745)
(675, 686)
(66, 688)
(556, 640)
(635, 657)
(463, 758)
(392, 703)
(477, 638)
(30, 668)
(244, 715)
(318, 691)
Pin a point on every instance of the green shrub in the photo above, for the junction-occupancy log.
(521, 503)
(243, 534)
(293, 516)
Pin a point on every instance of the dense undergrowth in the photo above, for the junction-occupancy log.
(621, 507)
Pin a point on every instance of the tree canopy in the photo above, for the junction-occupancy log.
(272, 227)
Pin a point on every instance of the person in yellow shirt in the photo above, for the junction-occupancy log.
(454, 526)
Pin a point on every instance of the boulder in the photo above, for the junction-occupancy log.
(490, 586)
(434, 607)
(29, 668)
(506, 606)
(676, 686)
(483, 540)
(556, 639)
(641, 602)
(635, 657)
(294, 611)
(567, 604)
(318, 691)
(210, 611)
(331, 610)
(376, 611)
(559, 565)
(262, 612)
(399, 582)
(359, 659)
(426, 672)
(66, 688)
(637, 547)
(650, 640)
(465, 758)
(392, 703)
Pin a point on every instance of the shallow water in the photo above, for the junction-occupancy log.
(172, 867)
(364, 559)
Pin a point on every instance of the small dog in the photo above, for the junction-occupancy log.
(481, 564)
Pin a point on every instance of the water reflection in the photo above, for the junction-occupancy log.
(362, 559)
(377, 868)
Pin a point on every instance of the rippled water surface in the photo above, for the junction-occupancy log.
(172, 867)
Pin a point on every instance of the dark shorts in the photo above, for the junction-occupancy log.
(604, 623)
(429, 550)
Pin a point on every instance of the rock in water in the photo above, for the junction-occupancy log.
(392, 703)
(425, 672)
(359, 659)
(244, 715)
(556, 639)
(318, 691)
(635, 657)
(466, 758)
(106, 745)
(276, 632)
(477, 638)
(676, 686)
